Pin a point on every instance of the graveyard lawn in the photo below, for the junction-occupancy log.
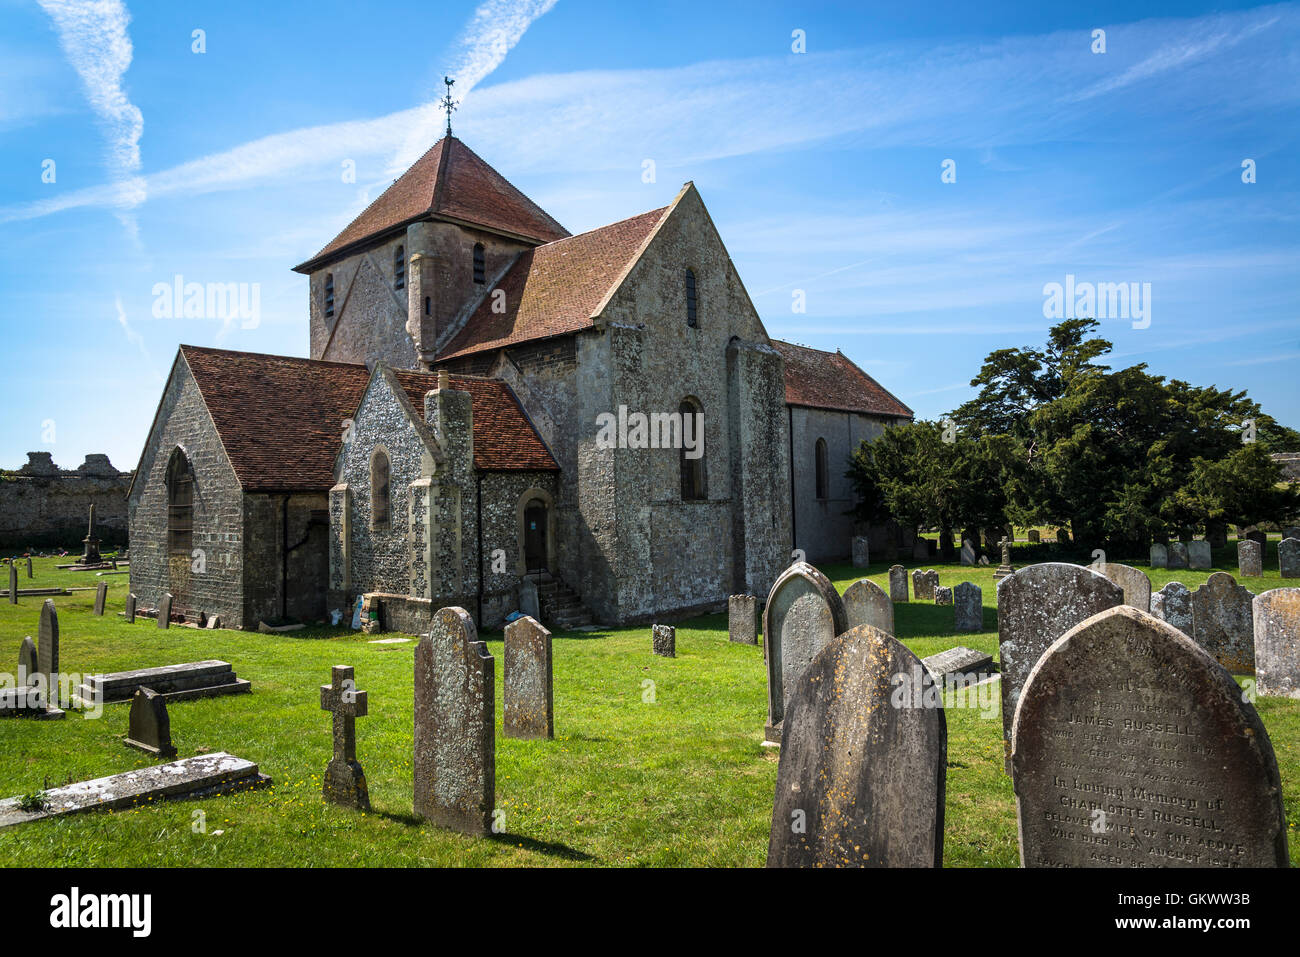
(680, 779)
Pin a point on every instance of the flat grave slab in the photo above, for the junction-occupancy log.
(960, 661)
(194, 679)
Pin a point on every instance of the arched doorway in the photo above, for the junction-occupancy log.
(535, 536)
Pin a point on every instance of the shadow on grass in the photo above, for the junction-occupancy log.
(549, 848)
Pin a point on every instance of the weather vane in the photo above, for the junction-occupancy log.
(448, 103)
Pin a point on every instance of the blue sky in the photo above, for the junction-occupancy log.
(821, 169)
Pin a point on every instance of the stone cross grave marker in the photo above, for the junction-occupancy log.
(47, 645)
(1277, 642)
(1005, 568)
(861, 779)
(897, 583)
(866, 603)
(1198, 554)
(150, 729)
(804, 613)
(1136, 585)
(742, 619)
(861, 551)
(1250, 559)
(923, 584)
(1222, 622)
(101, 597)
(1036, 606)
(1288, 557)
(1133, 748)
(165, 611)
(130, 608)
(1178, 556)
(455, 725)
(345, 781)
(1159, 556)
(968, 611)
(1173, 604)
(528, 696)
(663, 640)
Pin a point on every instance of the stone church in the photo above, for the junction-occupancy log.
(443, 443)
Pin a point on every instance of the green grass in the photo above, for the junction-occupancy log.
(680, 782)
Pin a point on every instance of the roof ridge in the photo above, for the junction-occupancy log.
(596, 229)
(271, 355)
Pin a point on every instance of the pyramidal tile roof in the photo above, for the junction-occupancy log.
(555, 288)
(280, 418)
(452, 182)
(829, 380)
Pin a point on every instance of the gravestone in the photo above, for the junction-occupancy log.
(29, 567)
(528, 601)
(804, 613)
(345, 781)
(455, 724)
(356, 613)
(968, 612)
(13, 584)
(663, 640)
(863, 761)
(1277, 642)
(1259, 538)
(866, 603)
(1036, 606)
(1005, 568)
(897, 583)
(1063, 536)
(1216, 533)
(943, 595)
(960, 664)
(1222, 622)
(1292, 532)
(1178, 556)
(90, 555)
(150, 729)
(967, 552)
(920, 549)
(1198, 555)
(165, 611)
(924, 584)
(1288, 557)
(1250, 559)
(130, 608)
(184, 682)
(1136, 585)
(1133, 748)
(47, 646)
(101, 596)
(1033, 536)
(528, 696)
(861, 551)
(29, 661)
(1173, 604)
(1159, 556)
(742, 619)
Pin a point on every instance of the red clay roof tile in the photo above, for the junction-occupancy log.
(828, 380)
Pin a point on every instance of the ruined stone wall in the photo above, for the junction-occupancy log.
(821, 527)
(215, 584)
(45, 507)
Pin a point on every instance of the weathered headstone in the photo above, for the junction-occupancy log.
(924, 584)
(149, 728)
(897, 583)
(13, 584)
(920, 549)
(165, 611)
(47, 646)
(1277, 642)
(861, 551)
(1173, 604)
(1036, 606)
(1250, 559)
(1222, 622)
(1063, 535)
(1288, 557)
(130, 608)
(663, 640)
(1132, 748)
(1291, 532)
(1033, 536)
(101, 597)
(1259, 538)
(804, 613)
(345, 781)
(967, 553)
(528, 696)
(455, 725)
(528, 601)
(942, 595)
(742, 619)
(968, 599)
(29, 661)
(863, 760)
(1159, 556)
(1179, 557)
(866, 603)
(1136, 585)
(29, 566)
(1198, 555)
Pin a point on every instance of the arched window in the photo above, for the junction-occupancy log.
(480, 264)
(428, 306)
(180, 505)
(691, 318)
(399, 268)
(823, 472)
(379, 498)
(329, 295)
(692, 452)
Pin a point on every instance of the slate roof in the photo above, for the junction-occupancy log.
(450, 181)
(829, 380)
(555, 288)
(280, 418)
